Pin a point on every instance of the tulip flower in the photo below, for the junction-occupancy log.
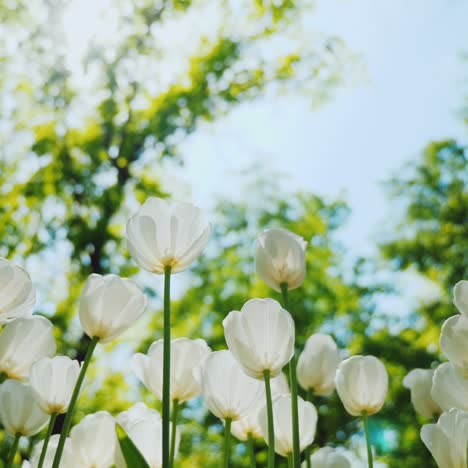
(283, 424)
(22, 342)
(144, 427)
(419, 382)
(93, 441)
(164, 234)
(460, 297)
(19, 413)
(317, 364)
(362, 384)
(68, 459)
(261, 338)
(185, 356)
(109, 305)
(17, 296)
(280, 258)
(449, 388)
(448, 439)
(166, 238)
(326, 457)
(229, 393)
(454, 341)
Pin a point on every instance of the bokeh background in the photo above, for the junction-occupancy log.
(342, 120)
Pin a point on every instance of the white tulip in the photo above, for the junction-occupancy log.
(19, 412)
(283, 424)
(326, 457)
(280, 258)
(419, 382)
(23, 342)
(454, 341)
(17, 296)
(362, 384)
(227, 390)
(317, 364)
(67, 460)
(449, 388)
(260, 336)
(93, 441)
(460, 297)
(144, 427)
(249, 425)
(109, 305)
(185, 356)
(164, 234)
(136, 413)
(53, 381)
(448, 439)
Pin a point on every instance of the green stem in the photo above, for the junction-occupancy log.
(290, 460)
(365, 420)
(309, 447)
(293, 383)
(166, 400)
(71, 407)
(14, 448)
(250, 449)
(175, 412)
(50, 428)
(271, 424)
(227, 441)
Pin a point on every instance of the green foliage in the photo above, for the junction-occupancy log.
(130, 452)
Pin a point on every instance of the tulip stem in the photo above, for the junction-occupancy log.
(290, 460)
(271, 424)
(365, 420)
(293, 383)
(71, 407)
(175, 413)
(166, 400)
(14, 448)
(250, 449)
(227, 441)
(50, 428)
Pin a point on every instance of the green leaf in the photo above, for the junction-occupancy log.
(133, 457)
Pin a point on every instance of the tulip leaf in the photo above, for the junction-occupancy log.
(133, 457)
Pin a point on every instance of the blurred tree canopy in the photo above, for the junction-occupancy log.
(84, 141)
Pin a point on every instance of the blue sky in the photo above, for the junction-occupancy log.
(414, 87)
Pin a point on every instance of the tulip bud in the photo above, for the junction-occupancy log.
(260, 337)
(326, 457)
(317, 364)
(24, 341)
(185, 356)
(227, 390)
(109, 305)
(17, 296)
(454, 341)
(448, 439)
(419, 382)
(449, 388)
(280, 258)
(460, 297)
(362, 384)
(283, 424)
(67, 460)
(144, 427)
(93, 441)
(164, 235)
(19, 412)
(53, 381)
(249, 424)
